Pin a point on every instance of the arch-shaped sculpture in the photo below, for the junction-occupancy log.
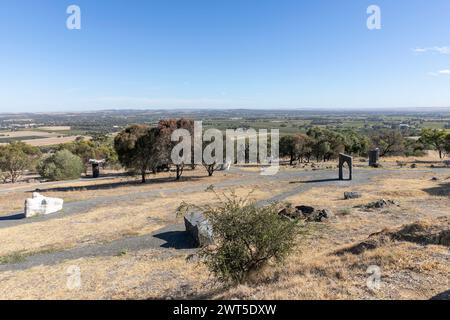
(345, 159)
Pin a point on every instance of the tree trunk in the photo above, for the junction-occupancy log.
(143, 177)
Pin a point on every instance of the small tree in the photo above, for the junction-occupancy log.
(247, 237)
(288, 148)
(210, 168)
(447, 143)
(167, 127)
(15, 158)
(389, 142)
(63, 165)
(134, 149)
(435, 138)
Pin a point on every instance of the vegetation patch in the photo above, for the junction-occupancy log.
(246, 238)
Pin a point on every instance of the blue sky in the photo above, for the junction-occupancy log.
(223, 53)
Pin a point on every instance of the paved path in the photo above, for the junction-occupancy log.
(173, 236)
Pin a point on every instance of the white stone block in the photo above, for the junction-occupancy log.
(40, 205)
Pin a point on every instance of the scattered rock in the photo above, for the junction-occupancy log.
(322, 214)
(199, 229)
(305, 209)
(307, 213)
(290, 212)
(380, 204)
(40, 205)
(352, 195)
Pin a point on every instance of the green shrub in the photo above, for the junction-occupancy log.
(247, 238)
(63, 165)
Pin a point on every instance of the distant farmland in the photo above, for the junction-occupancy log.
(37, 138)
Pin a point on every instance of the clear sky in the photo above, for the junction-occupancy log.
(223, 53)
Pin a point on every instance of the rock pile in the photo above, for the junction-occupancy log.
(380, 204)
(306, 213)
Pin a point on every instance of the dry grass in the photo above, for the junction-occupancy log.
(315, 270)
(103, 224)
(55, 128)
(140, 275)
(52, 141)
(26, 133)
(13, 196)
(408, 271)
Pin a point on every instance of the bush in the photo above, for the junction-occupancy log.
(15, 159)
(63, 165)
(247, 238)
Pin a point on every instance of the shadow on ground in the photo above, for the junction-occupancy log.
(176, 240)
(317, 181)
(442, 190)
(114, 185)
(442, 296)
(18, 216)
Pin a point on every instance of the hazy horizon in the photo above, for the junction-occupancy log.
(306, 109)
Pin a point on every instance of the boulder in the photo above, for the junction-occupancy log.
(40, 205)
(199, 228)
(305, 209)
(307, 213)
(320, 215)
(290, 212)
(352, 195)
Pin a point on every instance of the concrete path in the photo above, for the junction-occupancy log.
(171, 237)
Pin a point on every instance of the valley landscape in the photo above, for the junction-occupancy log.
(128, 242)
(225, 159)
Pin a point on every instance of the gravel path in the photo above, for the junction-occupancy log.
(173, 236)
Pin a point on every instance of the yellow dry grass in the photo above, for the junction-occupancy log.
(52, 141)
(140, 275)
(55, 128)
(13, 196)
(313, 271)
(103, 224)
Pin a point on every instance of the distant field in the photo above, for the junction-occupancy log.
(38, 137)
(12, 139)
(54, 128)
(25, 133)
(50, 141)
